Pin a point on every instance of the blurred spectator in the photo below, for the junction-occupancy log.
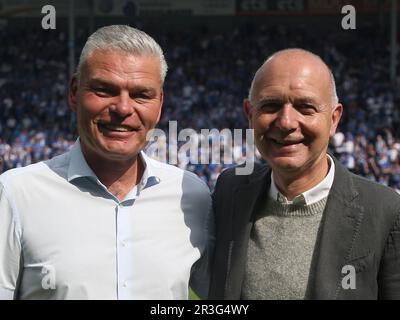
(208, 78)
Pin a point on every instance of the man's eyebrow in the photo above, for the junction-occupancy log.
(101, 81)
(277, 99)
(145, 89)
(269, 99)
(306, 100)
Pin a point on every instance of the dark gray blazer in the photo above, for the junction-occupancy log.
(360, 227)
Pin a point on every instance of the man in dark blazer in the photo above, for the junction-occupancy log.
(303, 226)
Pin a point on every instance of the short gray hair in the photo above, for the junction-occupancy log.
(126, 39)
(334, 96)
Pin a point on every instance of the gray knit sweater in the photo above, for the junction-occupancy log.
(280, 249)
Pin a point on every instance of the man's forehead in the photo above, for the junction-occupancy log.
(294, 73)
(298, 55)
(299, 64)
(111, 57)
(105, 62)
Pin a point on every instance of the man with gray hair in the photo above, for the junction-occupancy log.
(302, 227)
(104, 221)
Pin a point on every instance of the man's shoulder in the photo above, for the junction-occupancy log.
(232, 175)
(380, 204)
(188, 179)
(192, 193)
(25, 175)
(22, 172)
(373, 189)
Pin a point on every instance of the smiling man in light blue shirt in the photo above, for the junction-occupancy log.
(104, 221)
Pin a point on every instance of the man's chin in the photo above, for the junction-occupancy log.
(119, 153)
(286, 163)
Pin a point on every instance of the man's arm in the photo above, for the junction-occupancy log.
(10, 247)
(200, 277)
(389, 272)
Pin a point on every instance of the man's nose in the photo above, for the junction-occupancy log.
(122, 105)
(287, 118)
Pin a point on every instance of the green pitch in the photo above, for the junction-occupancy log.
(192, 295)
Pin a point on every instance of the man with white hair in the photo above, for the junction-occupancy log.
(303, 226)
(104, 221)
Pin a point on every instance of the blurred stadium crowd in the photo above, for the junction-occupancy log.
(209, 75)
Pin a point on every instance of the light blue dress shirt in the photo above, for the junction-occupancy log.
(63, 235)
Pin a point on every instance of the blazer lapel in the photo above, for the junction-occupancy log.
(338, 230)
(247, 197)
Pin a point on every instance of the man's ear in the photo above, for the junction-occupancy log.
(161, 105)
(336, 115)
(72, 92)
(248, 110)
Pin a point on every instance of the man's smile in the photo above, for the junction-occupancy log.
(287, 142)
(115, 127)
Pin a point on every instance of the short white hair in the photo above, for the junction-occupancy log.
(126, 39)
(334, 96)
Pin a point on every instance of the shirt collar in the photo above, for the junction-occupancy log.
(79, 168)
(315, 194)
(149, 177)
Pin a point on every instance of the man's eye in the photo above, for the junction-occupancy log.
(270, 106)
(307, 108)
(142, 96)
(103, 92)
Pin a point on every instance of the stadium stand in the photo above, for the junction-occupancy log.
(209, 75)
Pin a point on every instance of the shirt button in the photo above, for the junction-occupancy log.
(123, 243)
(125, 284)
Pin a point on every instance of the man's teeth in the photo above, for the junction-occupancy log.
(118, 128)
(287, 142)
